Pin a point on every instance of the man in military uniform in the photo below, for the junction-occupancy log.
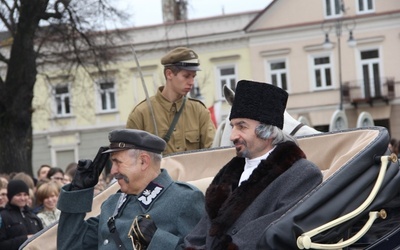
(151, 211)
(194, 128)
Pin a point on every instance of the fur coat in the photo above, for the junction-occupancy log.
(236, 216)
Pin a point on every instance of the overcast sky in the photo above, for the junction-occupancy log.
(146, 12)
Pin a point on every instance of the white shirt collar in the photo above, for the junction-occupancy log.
(252, 164)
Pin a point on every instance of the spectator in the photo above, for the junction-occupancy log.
(267, 177)
(70, 172)
(26, 178)
(42, 172)
(47, 197)
(31, 184)
(56, 174)
(194, 128)
(151, 208)
(18, 222)
(3, 193)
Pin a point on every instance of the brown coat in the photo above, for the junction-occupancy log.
(194, 129)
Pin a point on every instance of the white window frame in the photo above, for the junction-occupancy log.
(108, 93)
(366, 10)
(278, 72)
(332, 3)
(361, 62)
(62, 96)
(313, 69)
(228, 78)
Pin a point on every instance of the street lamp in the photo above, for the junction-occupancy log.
(338, 25)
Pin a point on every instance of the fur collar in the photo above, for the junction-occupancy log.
(225, 201)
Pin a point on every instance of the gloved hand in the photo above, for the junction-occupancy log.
(87, 172)
(142, 231)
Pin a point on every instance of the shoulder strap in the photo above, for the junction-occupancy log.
(174, 121)
(111, 223)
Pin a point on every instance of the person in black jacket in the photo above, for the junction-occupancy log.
(17, 221)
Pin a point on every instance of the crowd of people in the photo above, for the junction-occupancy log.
(29, 204)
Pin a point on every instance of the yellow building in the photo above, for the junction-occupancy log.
(282, 44)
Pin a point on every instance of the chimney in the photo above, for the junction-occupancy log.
(174, 10)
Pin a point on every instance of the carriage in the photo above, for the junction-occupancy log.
(357, 206)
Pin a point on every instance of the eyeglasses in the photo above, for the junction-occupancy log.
(57, 178)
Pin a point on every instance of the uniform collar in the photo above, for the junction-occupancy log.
(166, 104)
(154, 189)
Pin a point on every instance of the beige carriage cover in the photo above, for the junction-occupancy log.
(329, 151)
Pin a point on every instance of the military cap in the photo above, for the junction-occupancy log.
(124, 139)
(183, 58)
(259, 101)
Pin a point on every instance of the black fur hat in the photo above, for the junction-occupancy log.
(259, 101)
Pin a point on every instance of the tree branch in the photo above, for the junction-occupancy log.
(4, 59)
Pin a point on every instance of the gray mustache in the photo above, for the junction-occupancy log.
(121, 176)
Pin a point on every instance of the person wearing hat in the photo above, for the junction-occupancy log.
(17, 221)
(267, 177)
(151, 211)
(183, 122)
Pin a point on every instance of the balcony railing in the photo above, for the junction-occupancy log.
(369, 91)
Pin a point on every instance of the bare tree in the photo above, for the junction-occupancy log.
(39, 32)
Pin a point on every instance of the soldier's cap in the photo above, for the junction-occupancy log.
(183, 58)
(124, 139)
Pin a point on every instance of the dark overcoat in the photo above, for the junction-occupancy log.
(15, 226)
(237, 216)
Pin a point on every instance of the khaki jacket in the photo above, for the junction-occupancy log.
(194, 129)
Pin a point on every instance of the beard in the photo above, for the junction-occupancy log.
(122, 176)
(242, 151)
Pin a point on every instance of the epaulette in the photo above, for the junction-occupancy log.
(197, 100)
(187, 185)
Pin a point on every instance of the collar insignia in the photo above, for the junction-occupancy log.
(149, 194)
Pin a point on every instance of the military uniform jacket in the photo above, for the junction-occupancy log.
(194, 129)
(237, 216)
(175, 208)
(16, 225)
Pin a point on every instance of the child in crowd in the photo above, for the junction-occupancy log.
(47, 197)
(18, 222)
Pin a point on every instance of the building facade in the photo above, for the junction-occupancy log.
(282, 44)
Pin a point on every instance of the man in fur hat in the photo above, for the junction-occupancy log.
(268, 176)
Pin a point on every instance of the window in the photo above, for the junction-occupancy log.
(370, 66)
(227, 75)
(279, 74)
(62, 100)
(322, 72)
(333, 8)
(365, 6)
(107, 96)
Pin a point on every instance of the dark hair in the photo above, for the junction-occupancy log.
(173, 68)
(53, 171)
(43, 166)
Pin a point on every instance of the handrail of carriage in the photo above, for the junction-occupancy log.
(304, 241)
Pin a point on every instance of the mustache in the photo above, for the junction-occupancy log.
(121, 176)
(238, 141)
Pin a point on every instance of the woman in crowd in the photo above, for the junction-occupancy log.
(47, 197)
(43, 171)
(56, 174)
(18, 222)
